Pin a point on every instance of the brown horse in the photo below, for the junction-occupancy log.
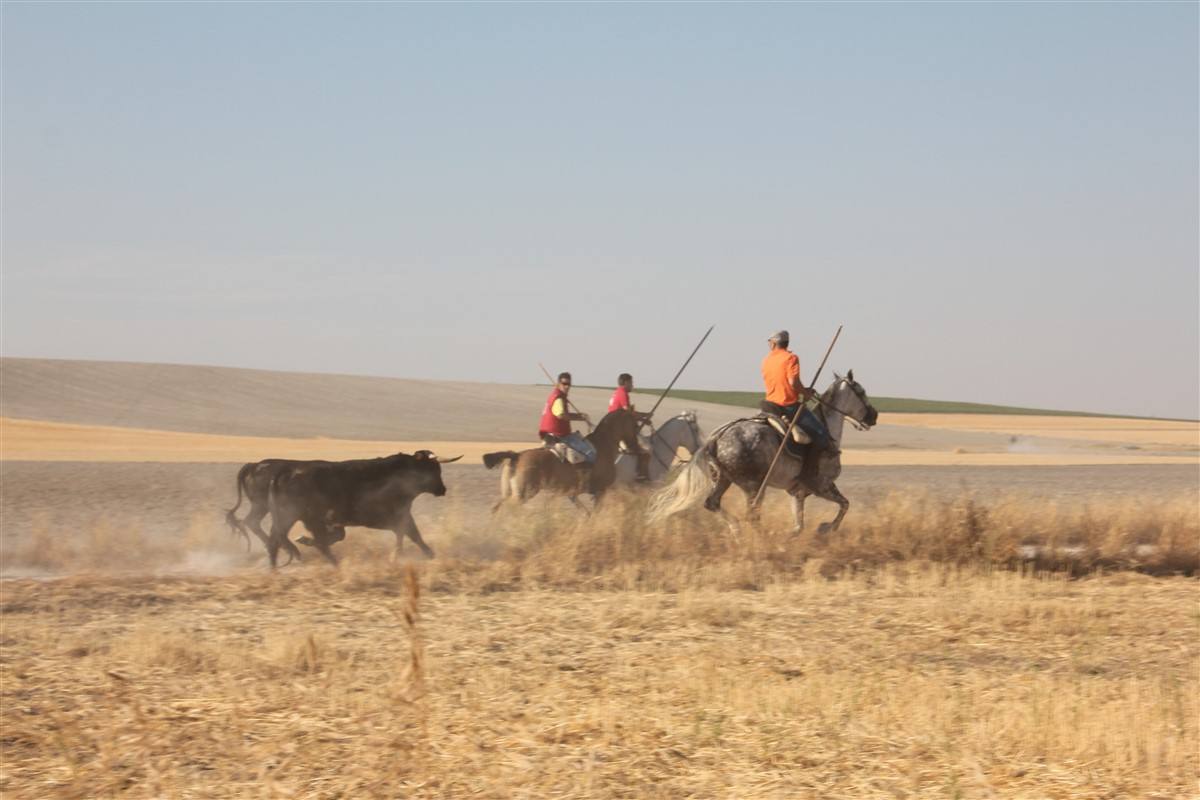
(528, 472)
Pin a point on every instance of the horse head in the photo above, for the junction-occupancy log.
(693, 425)
(681, 430)
(847, 396)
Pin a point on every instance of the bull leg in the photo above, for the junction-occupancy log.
(407, 526)
(279, 538)
(336, 534)
(253, 521)
(322, 537)
(831, 493)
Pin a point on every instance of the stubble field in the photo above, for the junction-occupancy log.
(1019, 630)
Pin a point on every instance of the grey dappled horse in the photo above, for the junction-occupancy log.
(681, 430)
(740, 453)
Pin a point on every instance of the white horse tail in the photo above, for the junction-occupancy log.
(692, 484)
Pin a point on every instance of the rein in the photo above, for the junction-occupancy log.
(854, 421)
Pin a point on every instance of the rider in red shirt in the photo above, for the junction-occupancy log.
(620, 400)
(557, 416)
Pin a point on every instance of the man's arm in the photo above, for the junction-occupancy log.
(802, 391)
(559, 409)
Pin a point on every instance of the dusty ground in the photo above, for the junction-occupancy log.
(70, 499)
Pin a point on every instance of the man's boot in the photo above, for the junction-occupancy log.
(643, 468)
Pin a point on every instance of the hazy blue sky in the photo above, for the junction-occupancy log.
(999, 201)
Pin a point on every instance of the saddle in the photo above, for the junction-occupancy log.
(797, 442)
(567, 454)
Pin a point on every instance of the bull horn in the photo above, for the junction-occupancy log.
(441, 460)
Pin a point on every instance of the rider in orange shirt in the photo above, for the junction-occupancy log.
(781, 377)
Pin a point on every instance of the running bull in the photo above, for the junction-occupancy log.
(372, 493)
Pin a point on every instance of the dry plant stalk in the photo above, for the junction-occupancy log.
(412, 676)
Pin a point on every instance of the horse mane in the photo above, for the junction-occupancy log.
(607, 421)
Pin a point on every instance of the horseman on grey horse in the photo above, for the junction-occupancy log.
(746, 452)
(786, 395)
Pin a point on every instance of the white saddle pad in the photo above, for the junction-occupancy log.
(780, 426)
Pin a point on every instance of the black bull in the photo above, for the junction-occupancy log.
(371, 493)
(254, 481)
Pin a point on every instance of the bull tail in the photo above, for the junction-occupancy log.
(492, 460)
(692, 484)
(231, 519)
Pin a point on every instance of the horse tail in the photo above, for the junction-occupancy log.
(231, 519)
(491, 460)
(507, 460)
(507, 472)
(692, 484)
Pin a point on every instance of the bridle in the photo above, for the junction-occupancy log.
(858, 392)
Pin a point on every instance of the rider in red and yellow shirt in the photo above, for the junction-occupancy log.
(556, 417)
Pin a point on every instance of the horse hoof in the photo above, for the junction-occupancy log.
(824, 528)
(305, 540)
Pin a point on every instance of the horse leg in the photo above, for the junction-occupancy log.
(525, 485)
(713, 501)
(408, 527)
(575, 502)
(753, 503)
(831, 493)
(798, 496)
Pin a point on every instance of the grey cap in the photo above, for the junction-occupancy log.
(780, 336)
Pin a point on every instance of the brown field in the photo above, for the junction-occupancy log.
(39, 440)
(1021, 629)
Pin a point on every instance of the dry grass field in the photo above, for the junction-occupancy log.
(908, 681)
(914, 655)
(1007, 612)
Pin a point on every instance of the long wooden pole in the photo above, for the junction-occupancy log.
(663, 396)
(796, 416)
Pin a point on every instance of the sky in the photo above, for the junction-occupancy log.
(999, 202)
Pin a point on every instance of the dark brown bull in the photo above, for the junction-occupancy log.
(372, 493)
